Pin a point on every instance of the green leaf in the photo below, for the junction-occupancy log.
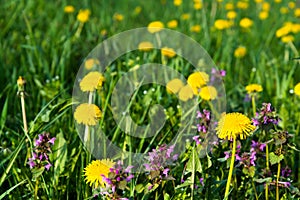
(194, 165)
(59, 156)
(11, 189)
(37, 172)
(274, 158)
(249, 171)
(166, 196)
(139, 188)
(209, 163)
(263, 180)
(3, 114)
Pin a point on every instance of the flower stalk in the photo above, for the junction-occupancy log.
(230, 169)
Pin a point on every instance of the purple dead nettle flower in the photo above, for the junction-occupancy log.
(41, 151)
(266, 116)
(286, 172)
(204, 120)
(217, 74)
(228, 153)
(157, 164)
(117, 180)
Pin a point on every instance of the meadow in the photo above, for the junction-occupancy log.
(162, 99)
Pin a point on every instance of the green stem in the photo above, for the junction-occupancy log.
(267, 170)
(230, 169)
(36, 189)
(253, 105)
(277, 180)
(255, 192)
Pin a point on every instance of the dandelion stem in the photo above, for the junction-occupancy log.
(230, 169)
(24, 112)
(267, 171)
(253, 105)
(36, 189)
(277, 180)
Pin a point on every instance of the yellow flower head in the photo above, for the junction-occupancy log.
(266, 6)
(95, 170)
(258, 1)
(185, 16)
(196, 80)
(177, 2)
(278, 1)
(196, 28)
(137, 10)
(69, 9)
(198, 5)
(263, 15)
(240, 52)
(118, 17)
(292, 5)
(172, 24)
(222, 24)
(185, 93)
(155, 26)
(174, 85)
(168, 52)
(231, 15)
(242, 5)
(145, 46)
(284, 30)
(284, 10)
(297, 12)
(91, 81)
(232, 125)
(90, 63)
(295, 28)
(253, 88)
(83, 15)
(297, 89)
(87, 114)
(287, 39)
(208, 93)
(229, 6)
(246, 23)
(21, 81)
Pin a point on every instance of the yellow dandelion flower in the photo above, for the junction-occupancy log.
(198, 5)
(297, 89)
(186, 93)
(90, 63)
(265, 6)
(253, 88)
(232, 125)
(94, 171)
(155, 26)
(295, 28)
(229, 6)
(291, 5)
(69, 9)
(284, 10)
(277, 1)
(240, 52)
(185, 16)
(168, 52)
(137, 10)
(174, 85)
(83, 15)
(286, 29)
(145, 46)
(263, 15)
(172, 24)
(246, 23)
(231, 15)
(287, 39)
(208, 93)
(118, 17)
(196, 80)
(87, 114)
(91, 81)
(222, 24)
(258, 1)
(177, 2)
(242, 5)
(297, 12)
(196, 28)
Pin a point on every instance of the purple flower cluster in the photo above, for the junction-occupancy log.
(286, 172)
(116, 181)
(42, 148)
(158, 160)
(203, 125)
(217, 74)
(266, 116)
